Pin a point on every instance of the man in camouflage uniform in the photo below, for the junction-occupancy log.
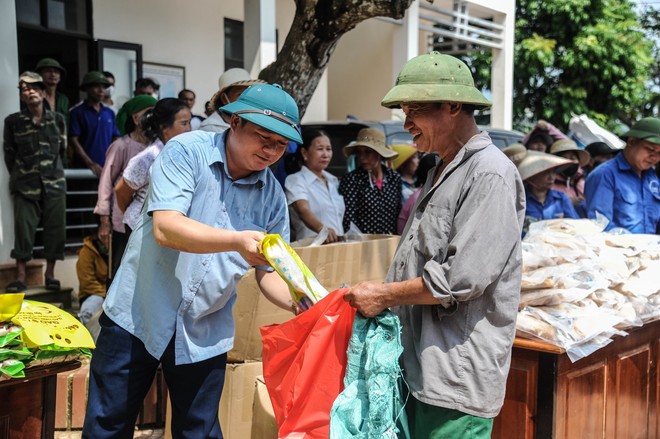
(35, 148)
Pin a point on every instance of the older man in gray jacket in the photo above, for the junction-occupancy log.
(455, 278)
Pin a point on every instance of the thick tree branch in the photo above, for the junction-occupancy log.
(316, 29)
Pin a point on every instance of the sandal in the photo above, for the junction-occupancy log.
(52, 284)
(16, 286)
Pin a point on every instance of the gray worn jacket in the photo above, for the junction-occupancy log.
(463, 239)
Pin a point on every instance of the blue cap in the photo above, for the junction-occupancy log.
(270, 107)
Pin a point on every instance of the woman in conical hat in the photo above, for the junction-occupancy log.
(571, 180)
(372, 192)
(538, 171)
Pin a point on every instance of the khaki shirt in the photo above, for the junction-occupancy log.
(463, 240)
(35, 153)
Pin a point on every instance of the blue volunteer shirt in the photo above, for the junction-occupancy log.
(629, 201)
(557, 205)
(94, 130)
(158, 291)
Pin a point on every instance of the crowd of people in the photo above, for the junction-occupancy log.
(180, 225)
(618, 187)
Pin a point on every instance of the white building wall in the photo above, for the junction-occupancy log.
(360, 71)
(8, 104)
(189, 34)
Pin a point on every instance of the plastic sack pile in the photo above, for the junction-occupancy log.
(581, 286)
(37, 334)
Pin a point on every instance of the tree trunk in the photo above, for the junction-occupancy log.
(317, 27)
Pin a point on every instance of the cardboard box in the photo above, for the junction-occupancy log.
(264, 425)
(333, 265)
(237, 398)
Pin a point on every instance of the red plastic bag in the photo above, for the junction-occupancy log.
(304, 365)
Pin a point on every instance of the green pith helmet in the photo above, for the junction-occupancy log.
(50, 62)
(94, 77)
(270, 107)
(434, 77)
(645, 129)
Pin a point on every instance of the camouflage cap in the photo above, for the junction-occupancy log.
(31, 78)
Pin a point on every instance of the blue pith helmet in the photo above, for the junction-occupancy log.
(269, 107)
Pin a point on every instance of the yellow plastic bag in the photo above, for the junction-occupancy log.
(48, 327)
(10, 305)
(305, 289)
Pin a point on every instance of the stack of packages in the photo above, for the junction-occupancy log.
(581, 286)
(37, 334)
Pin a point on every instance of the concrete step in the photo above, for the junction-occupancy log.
(35, 273)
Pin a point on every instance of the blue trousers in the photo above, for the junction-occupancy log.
(121, 374)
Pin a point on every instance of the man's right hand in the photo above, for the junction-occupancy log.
(104, 230)
(332, 236)
(248, 247)
(96, 169)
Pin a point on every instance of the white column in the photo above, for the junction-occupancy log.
(406, 44)
(260, 47)
(8, 104)
(502, 75)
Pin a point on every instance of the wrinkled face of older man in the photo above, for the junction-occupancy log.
(429, 123)
(31, 94)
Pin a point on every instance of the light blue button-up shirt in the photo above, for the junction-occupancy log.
(629, 201)
(158, 291)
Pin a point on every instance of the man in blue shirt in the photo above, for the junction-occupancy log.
(92, 125)
(211, 199)
(626, 189)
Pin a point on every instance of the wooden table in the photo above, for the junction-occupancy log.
(612, 393)
(27, 405)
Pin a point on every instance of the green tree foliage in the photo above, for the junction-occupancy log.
(650, 21)
(577, 56)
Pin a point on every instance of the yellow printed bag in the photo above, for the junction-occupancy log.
(305, 289)
(48, 327)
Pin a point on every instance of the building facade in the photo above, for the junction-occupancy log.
(191, 43)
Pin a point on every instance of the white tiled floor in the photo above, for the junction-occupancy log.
(142, 434)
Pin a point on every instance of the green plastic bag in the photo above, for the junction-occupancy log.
(9, 334)
(371, 406)
(11, 368)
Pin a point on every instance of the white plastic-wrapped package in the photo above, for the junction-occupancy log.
(581, 285)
